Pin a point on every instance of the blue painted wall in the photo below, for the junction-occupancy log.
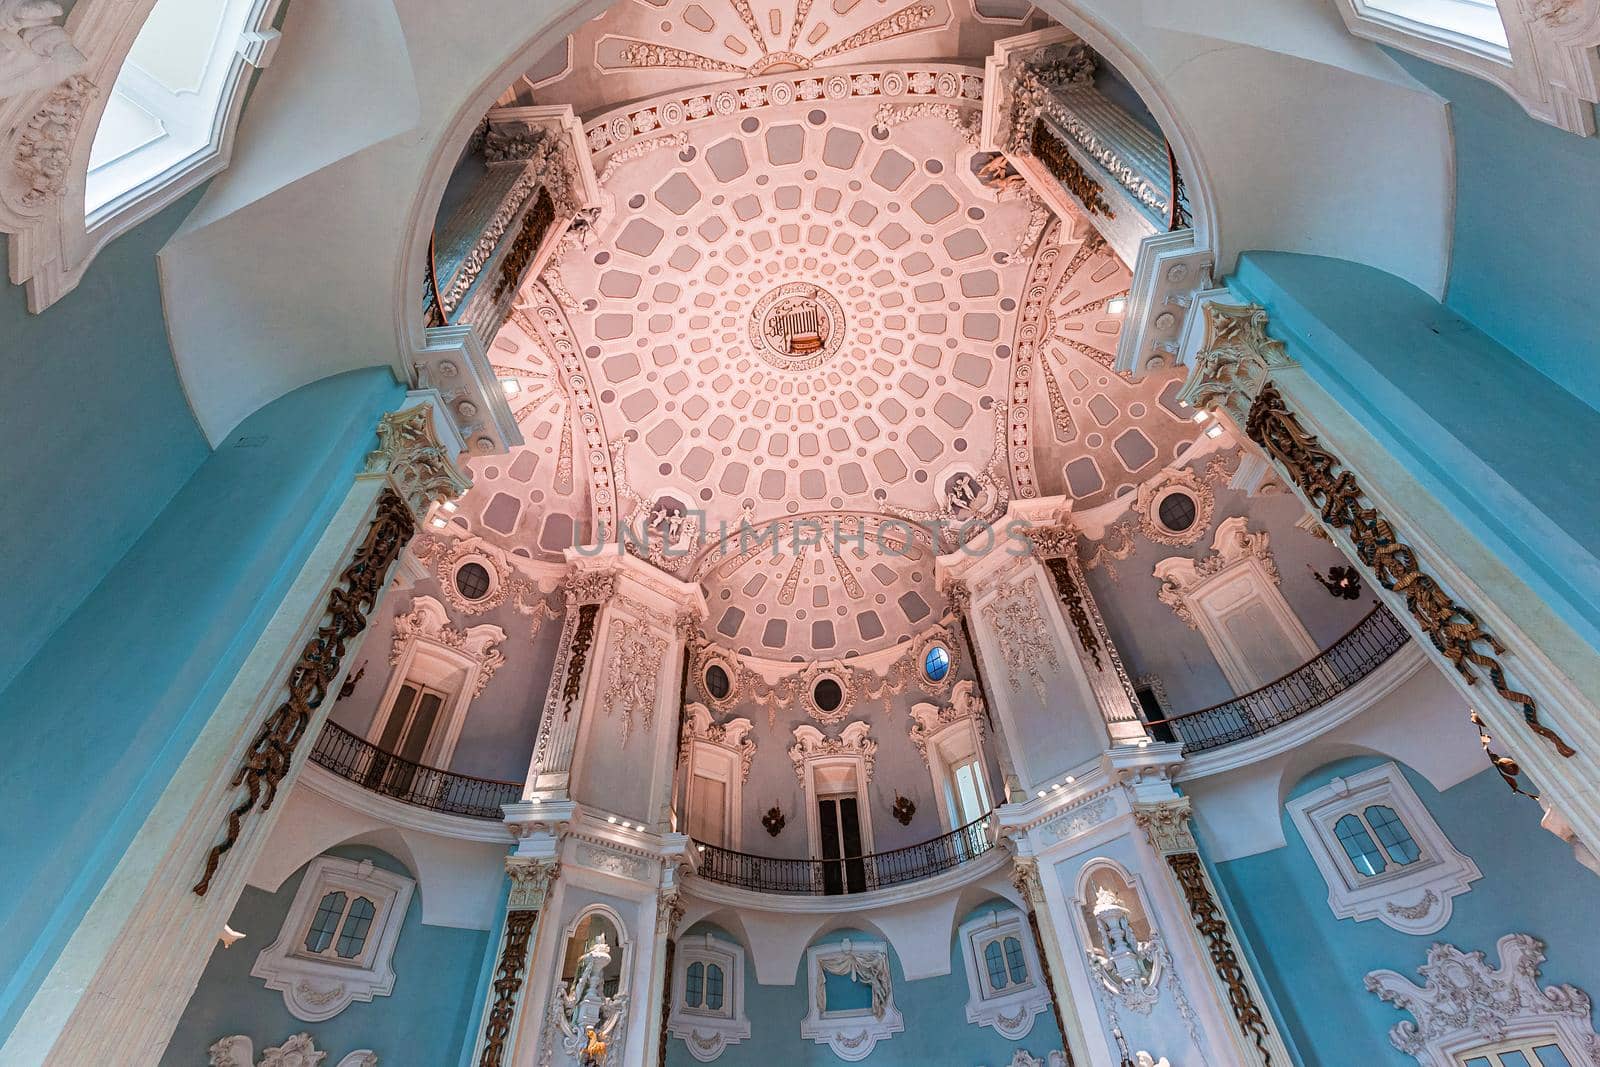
(124, 685)
(937, 1033)
(423, 1022)
(1492, 438)
(1314, 964)
(1527, 238)
(95, 429)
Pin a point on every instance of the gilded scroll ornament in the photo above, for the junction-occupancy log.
(350, 602)
(577, 656)
(1208, 919)
(1052, 151)
(1072, 598)
(509, 974)
(1454, 629)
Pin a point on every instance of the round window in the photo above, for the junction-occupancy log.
(936, 663)
(828, 695)
(718, 685)
(1177, 511)
(472, 580)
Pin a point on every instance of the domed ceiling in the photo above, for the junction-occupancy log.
(801, 307)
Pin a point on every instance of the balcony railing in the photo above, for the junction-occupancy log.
(357, 760)
(852, 874)
(1367, 646)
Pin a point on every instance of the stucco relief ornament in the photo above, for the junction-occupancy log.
(1024, 636)
(530, 882)
(733, 734)
(1023, 1058)
(417, 464)
(589, 1022)
(1166, 826)
(928, 719)
(299, 1051)
(42, 151)
(810, 742)
(1464, 1002)
(636, 655)
(1234, 541)
(428, 621)
(35, 51)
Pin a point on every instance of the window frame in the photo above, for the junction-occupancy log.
(720, 751)
(707, 1032)
(1414, 898)
(319, 985)
(1009, 1010)
(1525, 1044)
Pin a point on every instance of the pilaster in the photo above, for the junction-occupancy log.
(1255, 1040)
(1051, 673)
(1534, 713)
(531, 880)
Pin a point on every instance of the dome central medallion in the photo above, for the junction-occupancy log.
(797, 326)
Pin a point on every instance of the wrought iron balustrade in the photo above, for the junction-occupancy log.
(358, 760)
(851, 874)
(1364, 648)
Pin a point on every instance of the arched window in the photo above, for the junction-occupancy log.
(995, 961)
(713, 986)
(1359, 846)
(1016, 965)
(169, 119)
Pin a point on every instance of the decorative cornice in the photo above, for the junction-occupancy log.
(733, 735)
(428, 620)
(966, 705)
(1180, 575)
(811, 743)
(419, 468)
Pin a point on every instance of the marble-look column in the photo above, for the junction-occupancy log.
(1537, 717)
(1053, 680)
(119, 987)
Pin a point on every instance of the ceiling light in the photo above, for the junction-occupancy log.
(438, 522)
(1057, 787)
(1117, 305)
(449, 505)
(1214, 430)
(611, 818)
(1201, 416)
(511, 386)
(1070, 779)
(1041, 793)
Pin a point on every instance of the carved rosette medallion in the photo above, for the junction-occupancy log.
(797, 326)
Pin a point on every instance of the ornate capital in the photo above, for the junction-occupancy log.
(590, 587)
(1051, 542)
(530, 882)
(1234, 361)
(419, 467)
(1166, 825)
(1025, 878)
(960, 596)
(669, 912)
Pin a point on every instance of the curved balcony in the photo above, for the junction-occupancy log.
(358, 760)
(851, 874)
(1363, 649)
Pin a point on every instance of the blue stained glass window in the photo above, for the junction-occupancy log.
(1015, 964)
(694, 985)
(353, 935)
(1551, 1056)
(1392, 834)
(326, 921)
(994, 960)
(713, 987)
(936, 664)
(1359, 846)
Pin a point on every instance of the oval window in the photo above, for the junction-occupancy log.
(936, 664)
(718, 685)
(828, 695)
(1177, 511)
(472, 580)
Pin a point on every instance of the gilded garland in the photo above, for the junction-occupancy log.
(508, 979)
(1453, 628)
(350, 602)
(1213, 927)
